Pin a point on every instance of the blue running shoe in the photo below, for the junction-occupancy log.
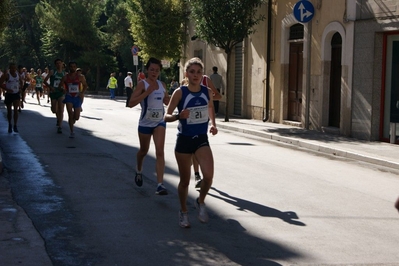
(138, 179)
(161, 190)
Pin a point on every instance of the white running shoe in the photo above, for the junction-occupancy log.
(202, 213)
(183, 220)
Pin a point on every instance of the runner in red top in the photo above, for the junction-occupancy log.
(75, 86)
(140, 76)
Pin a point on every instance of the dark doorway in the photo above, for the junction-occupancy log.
(295, 82)
(334, 116)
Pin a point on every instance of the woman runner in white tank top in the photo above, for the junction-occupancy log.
(152, 95)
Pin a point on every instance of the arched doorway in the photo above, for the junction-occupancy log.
(334, 115)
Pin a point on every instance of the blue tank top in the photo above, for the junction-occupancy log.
(197, 103)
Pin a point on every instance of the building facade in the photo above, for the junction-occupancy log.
(338, 72)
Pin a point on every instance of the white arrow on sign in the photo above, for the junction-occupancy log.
(304, 12)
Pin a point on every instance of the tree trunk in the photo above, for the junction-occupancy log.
(33, 42)
(98, 78)
(227, 92)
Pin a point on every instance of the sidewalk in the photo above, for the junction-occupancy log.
(20, 243)
(379, 153)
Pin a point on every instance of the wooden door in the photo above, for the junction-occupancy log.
(295, 82)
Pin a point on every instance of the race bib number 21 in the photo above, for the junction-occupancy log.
(198, 115)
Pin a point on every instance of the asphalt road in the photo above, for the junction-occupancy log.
(269, 205)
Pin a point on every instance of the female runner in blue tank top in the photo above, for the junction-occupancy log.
(152, 95)
(195, 106)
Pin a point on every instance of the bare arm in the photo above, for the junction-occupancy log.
(211, 110)
(216, 95)
(61, 86)
(174, 101)
(84, 83)
(21, 83)
(139, 94)
(2, 80)
(166, 98)
(47, 78)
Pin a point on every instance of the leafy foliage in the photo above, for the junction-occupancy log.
(156, 27)
(224, 23)
(72, 21)
(71, 31)
(119, 37)
(98, 34)
(20, 40)
(7, 11)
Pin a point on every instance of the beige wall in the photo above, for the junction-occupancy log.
(254, 86)
(255, 66)
(328, 20)
(360, 85)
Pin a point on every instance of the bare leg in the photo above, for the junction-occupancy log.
(205, 160)
(60, 111)
(9, 113)
(142, 152)
(159, 141)
(71, 120)
(195, 165)
(184, 164)
(38, 97)
(16, 105)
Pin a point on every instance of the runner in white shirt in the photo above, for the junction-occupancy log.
(152, 95)
(11, 82)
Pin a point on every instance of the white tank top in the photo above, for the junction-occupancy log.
(13, 83)
(152, 108)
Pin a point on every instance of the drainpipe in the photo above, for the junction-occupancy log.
(268, 60)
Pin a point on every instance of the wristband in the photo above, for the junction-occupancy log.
(177, 117)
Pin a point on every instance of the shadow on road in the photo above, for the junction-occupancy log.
(264, 211)
(84, 203)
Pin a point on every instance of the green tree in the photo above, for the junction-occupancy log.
(20, 41)
(6, 7)
(117, 27)
(71, 26)
(225, 23)
(157, 27)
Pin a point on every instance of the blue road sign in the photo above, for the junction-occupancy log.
(135, 50)
(303, 11)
